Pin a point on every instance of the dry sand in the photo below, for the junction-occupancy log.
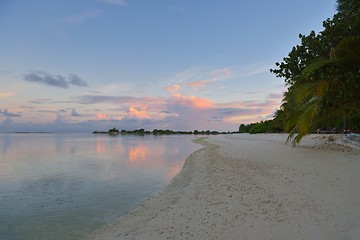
(254, 187)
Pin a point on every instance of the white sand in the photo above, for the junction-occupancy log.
(254, 187)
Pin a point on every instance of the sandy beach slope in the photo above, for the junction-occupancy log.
(254, 187)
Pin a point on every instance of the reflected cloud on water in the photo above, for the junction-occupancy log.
(67, 185)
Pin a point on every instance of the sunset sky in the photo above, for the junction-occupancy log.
(84, 65)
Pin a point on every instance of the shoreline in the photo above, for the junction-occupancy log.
(253, 187)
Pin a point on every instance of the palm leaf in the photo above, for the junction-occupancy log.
(317, 65)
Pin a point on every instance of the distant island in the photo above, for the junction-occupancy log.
(142, 131)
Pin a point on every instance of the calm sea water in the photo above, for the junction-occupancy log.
(65, 186)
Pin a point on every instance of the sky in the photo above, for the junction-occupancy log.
(85, 65)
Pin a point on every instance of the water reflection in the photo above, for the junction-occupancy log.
(100, 147)
(145, 156)
(5, 143)
(155, 157)
(63, 186)
(138, 154)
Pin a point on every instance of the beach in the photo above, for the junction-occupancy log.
(254, 187)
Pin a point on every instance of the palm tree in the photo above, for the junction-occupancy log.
(328, 87)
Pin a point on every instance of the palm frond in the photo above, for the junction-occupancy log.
(318, 64)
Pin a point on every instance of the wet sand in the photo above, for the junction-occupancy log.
(254, 187)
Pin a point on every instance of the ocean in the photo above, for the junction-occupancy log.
(66, 186)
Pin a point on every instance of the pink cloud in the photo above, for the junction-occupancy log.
(101, 116)
(177, 110)
(6, 94)
(199, 83)
(248, 111)
(194, 78)
(138, 112)
(192, 101)
(188, 111)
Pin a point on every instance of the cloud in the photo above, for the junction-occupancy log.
(121, 100)
(196, 79)
(187, 111)
(5, 72)
(249, 111)
(138, 112)
(275, 96)
(43, 101)
(101, 116)
(191, 101)
(43, 111)
(75, 80)
(74, 113)
(220, 74)
(172, 89)
(191, 74)
(6, 113)
(44, 78)
(174, 112)
(114, 2)
(255, 70)
(94, 99)
(114, 87)
(199, 83)
(6, 94)
(55, 81)
(178, 110)
(76, 19)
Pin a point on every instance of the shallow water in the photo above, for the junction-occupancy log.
(65, 186)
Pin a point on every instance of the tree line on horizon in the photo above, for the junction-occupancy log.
(141, 131)
(322, 76)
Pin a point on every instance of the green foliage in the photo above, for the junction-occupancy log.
(268, 126)
(114, 131)
(259, 128)
(143, 132)
(323, 76)
(245, 128)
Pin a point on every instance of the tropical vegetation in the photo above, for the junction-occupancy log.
(142, 131)
(267, 126)
(322, 75)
